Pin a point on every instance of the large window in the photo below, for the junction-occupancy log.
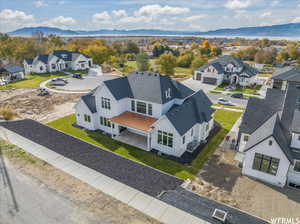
(150, 109)
(105, 121)
(164, 138)
(105, 102)
(265, 164)
(297, 166)
(87, 118)
(132, 105)
(141, 107)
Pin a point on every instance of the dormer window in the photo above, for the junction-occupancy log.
(168, 93)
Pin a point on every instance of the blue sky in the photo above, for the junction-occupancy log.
(198, 15)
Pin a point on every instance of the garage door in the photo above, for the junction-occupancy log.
(212, 81)
(198, 76)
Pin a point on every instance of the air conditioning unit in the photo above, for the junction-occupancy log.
(220, 215)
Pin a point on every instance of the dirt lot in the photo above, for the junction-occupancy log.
(221, 180)
(100, 208)
(42, 108)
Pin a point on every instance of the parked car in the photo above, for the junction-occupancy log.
(3, 82)
(77, 76)
(224, 101)
(59, 80)
(43, 92)
(237, 95)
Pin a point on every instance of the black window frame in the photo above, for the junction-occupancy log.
(265, 164)
(105, 122)
(165, 138)
(105, 103)
(246, 138)
(141, 107)
(87, 118)
(132, 105)
(150, 109)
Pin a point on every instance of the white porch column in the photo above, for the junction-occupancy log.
(149, 141)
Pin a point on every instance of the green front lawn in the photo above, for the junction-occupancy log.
(228, 106)
(224, 117)
(131, 66)
(32, 81)
(245, 90)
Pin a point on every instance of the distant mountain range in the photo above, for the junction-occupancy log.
(283, 30)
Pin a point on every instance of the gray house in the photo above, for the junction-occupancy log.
(226, 69)
(11, 73)
(150, 111)
(269, 135)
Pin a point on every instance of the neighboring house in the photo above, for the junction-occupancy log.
(150, 111)
(281, 77)
(269, 135)
(57, 61)
(226, 69)
(12, 73)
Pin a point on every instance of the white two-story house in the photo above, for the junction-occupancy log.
(148, 110)
(57, 61)
(269, 136)
(226, 69)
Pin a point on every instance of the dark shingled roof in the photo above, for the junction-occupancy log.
(282, 105)
(287, 74)
(60, 53)
(43, 58)
(272, 127)
(29, 60)
(147, 86)
(259, 110)
(90, 101)
(221, 62)
(13, 68)
(195, 109)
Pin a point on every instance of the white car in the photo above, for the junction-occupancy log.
(224, 101)
(3, 82)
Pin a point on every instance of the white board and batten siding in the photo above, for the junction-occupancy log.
(165, 125)
(81, 110)
(274, 151)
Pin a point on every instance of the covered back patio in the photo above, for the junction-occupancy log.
(134, 129)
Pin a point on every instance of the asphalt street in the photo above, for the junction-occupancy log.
(23, 200)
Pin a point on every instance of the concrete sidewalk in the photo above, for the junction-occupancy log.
(151, 206)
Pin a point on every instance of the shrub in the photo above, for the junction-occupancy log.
(7, 112)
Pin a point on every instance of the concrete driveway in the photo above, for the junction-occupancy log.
(86, 83)
(197, 85)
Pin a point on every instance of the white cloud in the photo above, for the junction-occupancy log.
(40, 3)
(102, 18)
(8, 16)
(14, 19)
(119, 12)
(266, 14)
(156, 10)
(60, 21)
(194, 18)
(238, 4)
(275, 3)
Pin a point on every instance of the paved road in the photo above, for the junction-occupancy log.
(24, 201)
(236, 102)
(196, 85)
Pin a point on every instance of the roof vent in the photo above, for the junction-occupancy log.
(220, 215)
